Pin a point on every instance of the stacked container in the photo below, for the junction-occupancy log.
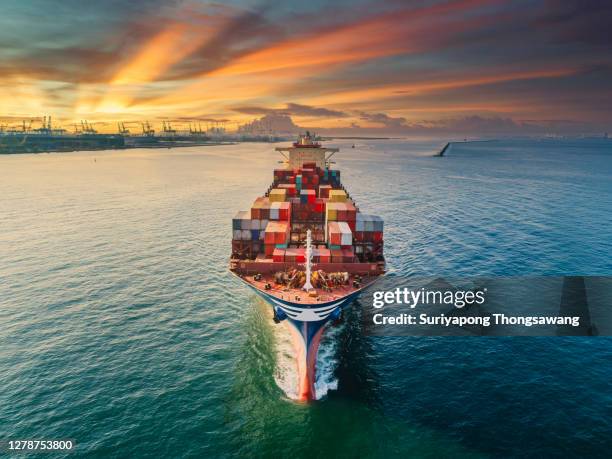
(300, 200)
(260, 210)
(337, 196)
(280, 211)
(278, 195)
(339, 235)
(290, 187)
(276, 236)
(369, 237)
(321, 255)
(246, 234)
(324, 191)
(308, 196)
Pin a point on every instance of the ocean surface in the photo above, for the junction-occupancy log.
(120, 327)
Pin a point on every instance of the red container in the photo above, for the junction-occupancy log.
(269, 238)
(285, 211)
(277, 233)
(348, 255)
(278, 255)
(300, 255)
(324, 255)
(319, 205)
(377, 236)
(334, 235)
(257, 208)
(359, 235)
(351, 212)
(290, 187)
(324, 191)
(312, 196)
(337, 256)
(269, 249)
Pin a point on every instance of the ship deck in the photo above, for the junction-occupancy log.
(297, 295)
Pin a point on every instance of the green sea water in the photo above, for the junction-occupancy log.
(120, 327)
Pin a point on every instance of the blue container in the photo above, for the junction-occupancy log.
(255, 235)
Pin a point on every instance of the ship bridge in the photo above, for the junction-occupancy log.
(306, 150)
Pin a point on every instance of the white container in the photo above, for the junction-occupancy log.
(347, 236)
(274, 210)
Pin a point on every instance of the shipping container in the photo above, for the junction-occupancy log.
(337, 195)
(307, 196)
(277, 232)
(241, 221)
(278, 195)
(324, 191)
(278, 255)
(290, 187)
(337, 256)
(339, 233)
(323, 255)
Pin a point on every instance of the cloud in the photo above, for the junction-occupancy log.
(381, 64)
(292, 109)
(384, 119)
(308, 110)
(577, 22)
(271, 123)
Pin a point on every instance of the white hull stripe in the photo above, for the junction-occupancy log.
(307, 314)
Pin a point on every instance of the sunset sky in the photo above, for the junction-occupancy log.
(394, 66)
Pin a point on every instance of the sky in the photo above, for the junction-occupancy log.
(465, 66)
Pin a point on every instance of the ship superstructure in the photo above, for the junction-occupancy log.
(306, 248)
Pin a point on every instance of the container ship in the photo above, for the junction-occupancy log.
(306, 248)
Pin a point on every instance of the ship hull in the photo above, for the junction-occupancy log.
(306, 332)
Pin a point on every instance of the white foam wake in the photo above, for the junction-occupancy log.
(327, 361)
(286, 373)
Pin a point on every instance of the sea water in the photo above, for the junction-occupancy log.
(120, 327)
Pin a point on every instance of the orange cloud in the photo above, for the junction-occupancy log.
(398, 90)
(383, 35)
(165, 49)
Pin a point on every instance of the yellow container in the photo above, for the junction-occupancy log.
(337, 195)
(331, 211)
(278, 195)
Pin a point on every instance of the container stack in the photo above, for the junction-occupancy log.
(341, 212)
(339, 235)
(276, 236)
(260, 210)
(310, 198)
(246, 236)
(280, 211)
(369, 237)
(307, 196)
(290, 187)
(295, 255)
